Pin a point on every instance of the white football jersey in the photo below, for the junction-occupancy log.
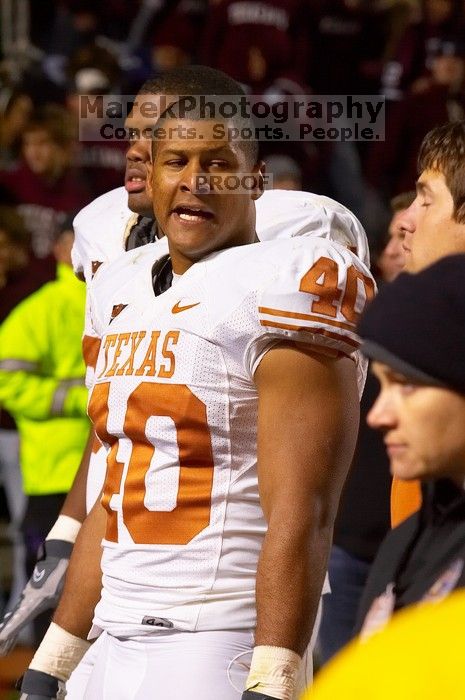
(286, 214)
(101, 229)
(175, 405)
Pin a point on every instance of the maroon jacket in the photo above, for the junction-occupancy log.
(278, 29)
(43, 205)
(414, 54)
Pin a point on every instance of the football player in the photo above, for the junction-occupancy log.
(123, 219)
(225, 395)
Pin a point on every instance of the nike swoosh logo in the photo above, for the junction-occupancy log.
(177, 308)
(38, 576)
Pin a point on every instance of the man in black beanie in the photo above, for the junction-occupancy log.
(414, 332)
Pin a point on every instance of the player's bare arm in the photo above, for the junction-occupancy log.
(74, 612)
(75, 502)
(308, 423)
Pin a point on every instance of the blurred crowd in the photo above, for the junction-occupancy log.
(411, 51)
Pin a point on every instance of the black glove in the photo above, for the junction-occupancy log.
(42, 591)
(252, 695)
(36, 685)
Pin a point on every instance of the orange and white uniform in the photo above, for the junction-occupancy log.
(175, 405)
(101, 229)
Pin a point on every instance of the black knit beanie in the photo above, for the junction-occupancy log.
(416, 325)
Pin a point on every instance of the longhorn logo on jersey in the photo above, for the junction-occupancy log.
(117, 309)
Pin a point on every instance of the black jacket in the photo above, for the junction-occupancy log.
(420, 551)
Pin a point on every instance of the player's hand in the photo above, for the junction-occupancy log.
(252, 695)
(36, 685)
(41, 592)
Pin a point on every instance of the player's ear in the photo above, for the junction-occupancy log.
(259, 170)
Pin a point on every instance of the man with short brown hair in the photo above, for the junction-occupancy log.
(434, 226)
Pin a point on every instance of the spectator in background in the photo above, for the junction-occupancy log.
(16, 281)
(420, 410)
(175, 34)
(94, 71)
(392, 164)
(364, 512)
(14, 117)
(257, 42)
(437, 20)
(42, 386)
(94, 58)
(349, 40)
(44, 186)
(398, 15)
(391, 260)
(21, 273)
(312, 160)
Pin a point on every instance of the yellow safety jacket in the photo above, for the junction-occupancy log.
(42, 382)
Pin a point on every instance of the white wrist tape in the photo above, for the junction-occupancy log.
(274, 671)
(65, 528)
(59, 653)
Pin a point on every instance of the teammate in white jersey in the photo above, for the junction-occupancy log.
(190, 385)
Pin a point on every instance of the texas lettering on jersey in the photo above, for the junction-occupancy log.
(120, 350)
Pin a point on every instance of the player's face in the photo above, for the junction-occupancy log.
(422, 426)
(392, 259)
(138, 155)
(199, 224)
(430, 229)
(43, 156)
